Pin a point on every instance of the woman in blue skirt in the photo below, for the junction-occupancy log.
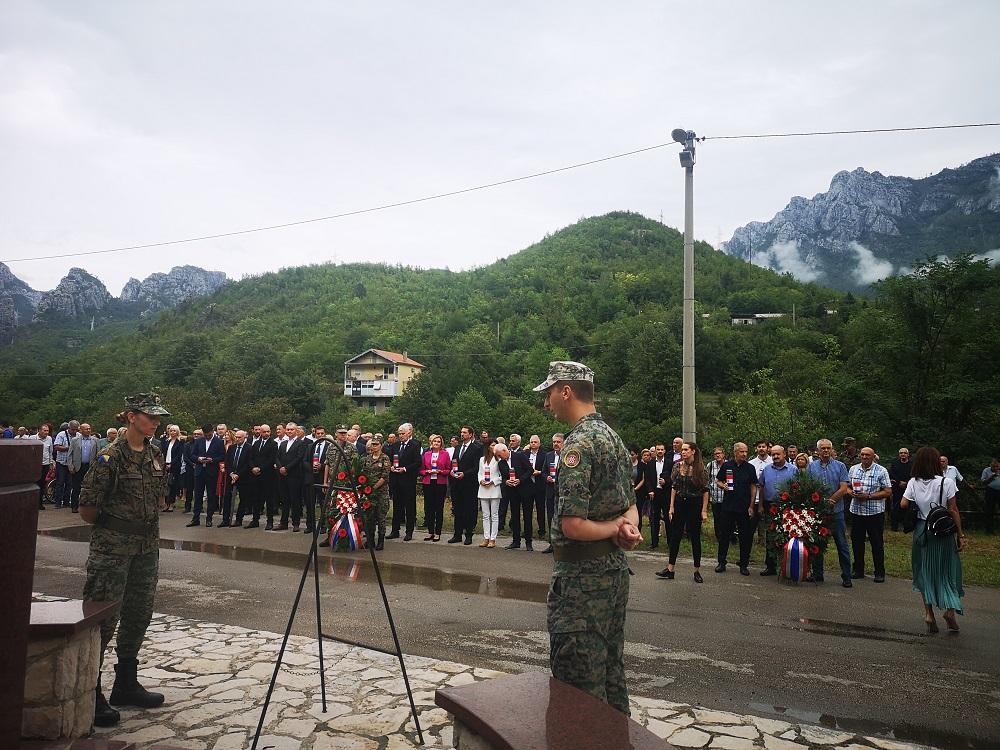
(937, 567)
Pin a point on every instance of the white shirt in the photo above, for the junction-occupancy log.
(170, 451)
(493, 491)
(451, 451)
(954, 475)
(760, 463)
(659, 472)
(926, 493)
(46, 450)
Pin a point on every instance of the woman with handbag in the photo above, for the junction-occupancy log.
(932, 513)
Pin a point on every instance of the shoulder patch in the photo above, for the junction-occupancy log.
(572, 458)
(104, 458)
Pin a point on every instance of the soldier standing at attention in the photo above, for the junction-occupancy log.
(122, 495)
(376, 467)
(335, 464)
(595, 520)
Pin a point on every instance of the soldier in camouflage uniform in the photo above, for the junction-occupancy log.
(595, 520)
(376, 467)
(334, 465)
(122, 495)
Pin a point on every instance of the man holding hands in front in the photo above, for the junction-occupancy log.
(595, 521)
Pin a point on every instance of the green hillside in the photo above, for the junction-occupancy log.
(606, 291)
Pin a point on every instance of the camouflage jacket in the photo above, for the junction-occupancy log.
(595, 482)
(125, 485)
(336, 463)
(375, 469)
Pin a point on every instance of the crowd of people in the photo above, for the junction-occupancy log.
(258, 476)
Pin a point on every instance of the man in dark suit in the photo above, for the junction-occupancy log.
(360, 444)
(314, 459)
(551, 482)
(209, 452)
(536, 457)
(658, 482)
(265, 479)
(290, 470)
(406, 464)
(522, 504)
(238, 460)
(464, 492)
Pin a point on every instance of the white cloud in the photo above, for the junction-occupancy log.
(785, 257)
(993, 256)
(869, 268)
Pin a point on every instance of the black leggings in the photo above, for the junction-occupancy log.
(434, 506)
(687, 515)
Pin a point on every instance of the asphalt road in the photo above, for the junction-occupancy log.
(854, 658)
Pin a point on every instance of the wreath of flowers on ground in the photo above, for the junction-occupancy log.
(800, 513)
(351, 516)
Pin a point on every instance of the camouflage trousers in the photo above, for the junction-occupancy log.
(130, 580)
(381, 503)
(586, 620)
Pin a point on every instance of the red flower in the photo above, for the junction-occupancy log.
(774, 510)
(823, 531)
(815, 497)
(814, 550)
(795, 486)
(362, 479)
(342, 475)
(368, 490)
(784, 496)
(366, 505)
(342, 533)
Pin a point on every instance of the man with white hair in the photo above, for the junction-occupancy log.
(405, 470)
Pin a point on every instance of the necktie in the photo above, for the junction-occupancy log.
(237, 461)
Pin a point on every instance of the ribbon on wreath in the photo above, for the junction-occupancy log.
(347, 526)
(795, 563)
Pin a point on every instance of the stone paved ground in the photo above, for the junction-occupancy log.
(215, 676)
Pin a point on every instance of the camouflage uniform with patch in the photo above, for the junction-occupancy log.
(375, 469)
(589, 590)
(336, 464)
(126, 487)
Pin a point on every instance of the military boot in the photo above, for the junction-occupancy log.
(380, 544)
(104, 715)
(128, 692)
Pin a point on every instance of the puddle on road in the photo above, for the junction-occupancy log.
(847, 630)
(355, 569)
(904, 733)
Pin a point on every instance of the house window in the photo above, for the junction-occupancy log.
(367, 383)
(388, 371)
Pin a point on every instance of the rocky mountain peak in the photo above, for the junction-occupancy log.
(869, 225)
(163, 290)
(78, 293)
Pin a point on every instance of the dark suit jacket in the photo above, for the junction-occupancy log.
(212, 448)
(291, 458)
(246, 461)
(361, 446)
(521, 464)
(468, 464)
(411, 458)
(264, 458)
(660, 494)
(309, 452)
(176, 457)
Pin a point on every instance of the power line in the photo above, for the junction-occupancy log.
(846, 132)
(489, 185)
(346, 214)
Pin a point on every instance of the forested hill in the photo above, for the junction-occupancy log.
(606, 291)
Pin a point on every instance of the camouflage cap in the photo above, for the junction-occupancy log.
(565, 370)
(147, 403)
(341, 428)
(848, 441)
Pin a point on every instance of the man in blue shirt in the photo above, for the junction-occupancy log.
(774, 477)
(833, 475)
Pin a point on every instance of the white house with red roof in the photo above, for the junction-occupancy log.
(375, 377)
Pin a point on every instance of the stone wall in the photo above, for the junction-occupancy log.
(59, 686)
(465, 739)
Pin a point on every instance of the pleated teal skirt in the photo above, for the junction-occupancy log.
(937, 570)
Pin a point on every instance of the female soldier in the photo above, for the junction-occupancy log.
(122, 495)
(376, 467)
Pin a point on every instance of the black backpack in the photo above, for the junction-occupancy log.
(939, 521)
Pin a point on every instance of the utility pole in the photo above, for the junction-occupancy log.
(688, 427)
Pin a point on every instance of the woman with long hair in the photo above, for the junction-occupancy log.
(489, 495)
(688, 507)
(937, 567)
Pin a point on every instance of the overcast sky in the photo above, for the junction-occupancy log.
(133, 122)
